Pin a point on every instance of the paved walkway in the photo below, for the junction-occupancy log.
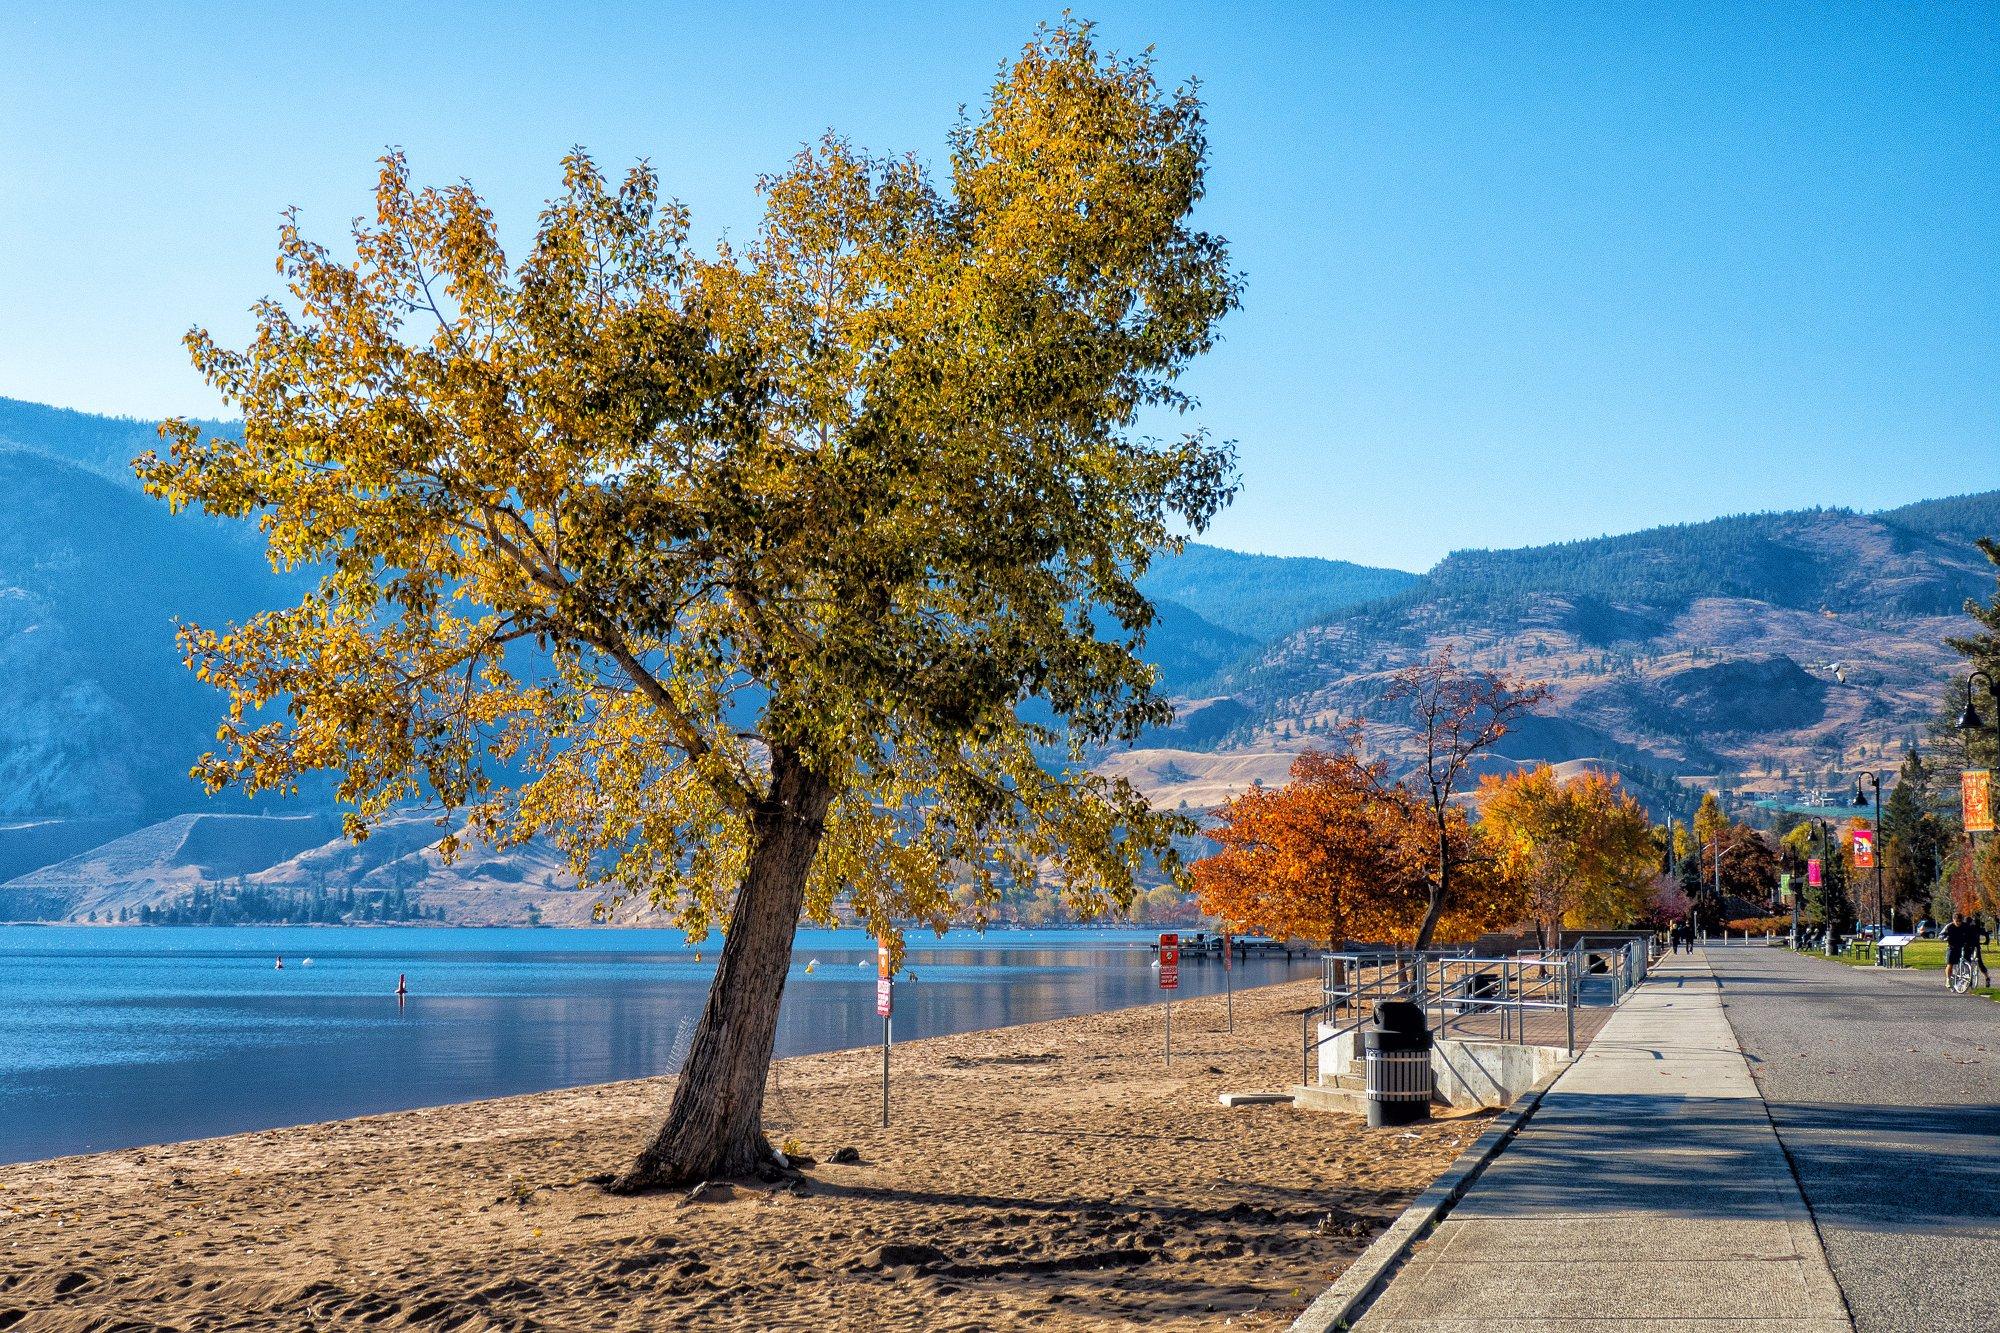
(1648, 1192)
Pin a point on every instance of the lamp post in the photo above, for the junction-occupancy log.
(1861, 802)
(1825, 873)
(1969, 720)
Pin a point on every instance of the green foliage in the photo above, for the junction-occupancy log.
(794, 530)
(236, 903)
(1964, 517)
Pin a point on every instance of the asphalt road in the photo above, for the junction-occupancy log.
(1885, 1089)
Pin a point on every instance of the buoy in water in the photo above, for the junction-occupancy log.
(281, 966)
(402, 986)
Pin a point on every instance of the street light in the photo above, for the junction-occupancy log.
(1862, 802)
(1969, 720)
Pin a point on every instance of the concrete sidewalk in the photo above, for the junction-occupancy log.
(1648, 1192)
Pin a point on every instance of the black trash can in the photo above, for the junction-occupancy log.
(1396, 1062)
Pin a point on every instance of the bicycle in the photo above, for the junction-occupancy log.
(1962, 973)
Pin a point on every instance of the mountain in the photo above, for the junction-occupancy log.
(1189, 649)
(98, 716)
(105, 446)
(1758, 646)
(294, 858)
(1262, 597)
(1755, 647)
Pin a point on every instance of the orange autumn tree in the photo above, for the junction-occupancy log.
(1341, 852)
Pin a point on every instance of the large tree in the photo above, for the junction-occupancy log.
(1582, 847)
(1916, 838)
(732, 575)
(1456, 715)
(1341, 852)
(1329, 856)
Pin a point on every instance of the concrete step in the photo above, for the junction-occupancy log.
(1323, 1097)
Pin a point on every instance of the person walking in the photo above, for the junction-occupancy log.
(1962, 939)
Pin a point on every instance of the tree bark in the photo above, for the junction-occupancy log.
(1440, 891)
(714, 1127)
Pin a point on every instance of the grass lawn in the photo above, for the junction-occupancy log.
(1929, 954)
(1922, 956)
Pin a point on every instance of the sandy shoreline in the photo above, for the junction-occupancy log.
(1053, 1175)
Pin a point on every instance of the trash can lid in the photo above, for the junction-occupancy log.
(1400, 1016)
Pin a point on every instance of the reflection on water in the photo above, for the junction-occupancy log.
(116, 1036)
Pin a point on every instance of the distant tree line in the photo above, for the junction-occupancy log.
(238, 904)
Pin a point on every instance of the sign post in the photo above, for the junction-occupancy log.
(885, 1001)
(1170, 980)
(1228, 986)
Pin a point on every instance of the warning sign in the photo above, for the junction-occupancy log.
(885, 985)
(1170, 960)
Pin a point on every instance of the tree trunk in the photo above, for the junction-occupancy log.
(714, 1128)
(1440, 893)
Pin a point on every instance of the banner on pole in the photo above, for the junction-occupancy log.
(1864, 849)
(1975, 798)
(885, 985)
(1812, 872)
(1785, 887)
(1170, 960)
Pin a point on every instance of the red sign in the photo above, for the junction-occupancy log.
(1812, 872)
(1864, 849)
(1170, 961)
(885, 986)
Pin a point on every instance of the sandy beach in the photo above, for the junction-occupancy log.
(1055, 1175)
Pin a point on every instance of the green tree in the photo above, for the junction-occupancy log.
(1978, 747)
(731, 575)
(1915, 838)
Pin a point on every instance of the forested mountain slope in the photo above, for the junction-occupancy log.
(1762, 645)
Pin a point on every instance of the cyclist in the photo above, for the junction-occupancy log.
(1962, 939)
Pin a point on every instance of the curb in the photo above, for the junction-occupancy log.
(1341, 1304)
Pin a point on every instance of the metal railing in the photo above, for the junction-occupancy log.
(1351, 985)
(1527, 998)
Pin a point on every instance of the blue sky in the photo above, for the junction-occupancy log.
(1516, 273)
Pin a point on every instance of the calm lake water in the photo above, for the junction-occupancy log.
(112, 1037)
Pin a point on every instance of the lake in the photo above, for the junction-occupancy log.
(112, 1037)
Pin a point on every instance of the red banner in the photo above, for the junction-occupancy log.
(1170, 960)
(1812, 872)
(1864, 849)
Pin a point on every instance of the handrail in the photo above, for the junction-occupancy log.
(1491, 998)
